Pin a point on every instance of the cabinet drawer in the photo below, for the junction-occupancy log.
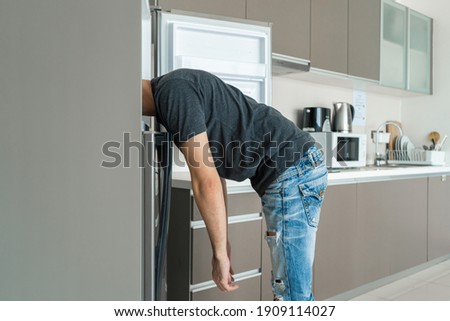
(249, 290)
(245, 239)
(238, 204)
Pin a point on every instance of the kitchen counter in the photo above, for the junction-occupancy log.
(337, 177)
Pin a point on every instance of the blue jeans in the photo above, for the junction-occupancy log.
(291, 206)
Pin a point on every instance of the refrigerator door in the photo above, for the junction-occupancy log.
(237, 51)
(157, 164)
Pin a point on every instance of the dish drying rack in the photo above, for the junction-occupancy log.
(416, 157)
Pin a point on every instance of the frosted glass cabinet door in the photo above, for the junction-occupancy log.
(393, 45)
(419, 52)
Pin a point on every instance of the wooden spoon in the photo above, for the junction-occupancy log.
(434, 137)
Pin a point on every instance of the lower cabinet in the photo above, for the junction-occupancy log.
(245, 239)
(392, 227)
(438, 217)
(249, 290)
(368, 231)
(334, 265)
(189, 249)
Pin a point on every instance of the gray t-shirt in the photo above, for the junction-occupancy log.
(247, 139)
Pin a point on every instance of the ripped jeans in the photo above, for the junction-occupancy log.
(291, 206)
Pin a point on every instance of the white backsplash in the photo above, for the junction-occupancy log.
(291, 95)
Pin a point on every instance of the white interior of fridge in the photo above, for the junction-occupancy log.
(237, 52)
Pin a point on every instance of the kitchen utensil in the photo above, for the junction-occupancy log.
(317, 119)
(425, 147)
(434, 137)
(439, 146)
(343, 117)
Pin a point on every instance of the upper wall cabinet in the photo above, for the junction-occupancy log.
(329, 35)
(419, 52)
(405, 48)
(363, 38)
(290, 24)
(393, 44)
(228, 8)
(375, 40)
(345, 37)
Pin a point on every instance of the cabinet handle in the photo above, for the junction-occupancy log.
(231, 220)
(237, 278)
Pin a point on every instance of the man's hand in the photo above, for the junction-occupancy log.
(222, 274)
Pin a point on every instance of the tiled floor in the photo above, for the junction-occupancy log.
(430, 284)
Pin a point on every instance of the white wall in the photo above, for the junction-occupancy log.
(424, 114)
(290, 96)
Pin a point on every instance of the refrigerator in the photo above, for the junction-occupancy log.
(238, 52)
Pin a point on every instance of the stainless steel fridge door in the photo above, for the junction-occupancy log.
(157, 164)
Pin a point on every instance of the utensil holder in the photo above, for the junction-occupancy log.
(434, 157)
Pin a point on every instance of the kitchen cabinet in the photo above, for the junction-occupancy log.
(329, 35)
(249, 289)
(392, 233)
(364, 38)
(290, 24)
(406, 42)
(419, 52)
(368, 231)
(229, 8)
(393, 44)
(438, 217)
(376, 40)
(334, 266)
(345, 37)
(189, 250)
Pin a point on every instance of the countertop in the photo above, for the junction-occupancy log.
(182, 179)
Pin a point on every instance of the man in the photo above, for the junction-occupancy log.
(224, 134)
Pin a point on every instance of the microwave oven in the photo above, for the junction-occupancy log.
(342, 150)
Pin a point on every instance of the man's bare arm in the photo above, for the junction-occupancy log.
(209, 196)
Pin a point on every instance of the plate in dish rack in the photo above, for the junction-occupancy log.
(397, 144)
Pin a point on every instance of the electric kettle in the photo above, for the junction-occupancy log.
(343, 117)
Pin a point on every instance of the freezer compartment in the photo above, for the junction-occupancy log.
(245, 239)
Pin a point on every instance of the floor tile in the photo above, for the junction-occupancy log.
(367, 297)
(396, 288)
(445, 263)
(443, 280)
(427, 292)
(432, 273)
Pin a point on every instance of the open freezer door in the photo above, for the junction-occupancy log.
(237, 51)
